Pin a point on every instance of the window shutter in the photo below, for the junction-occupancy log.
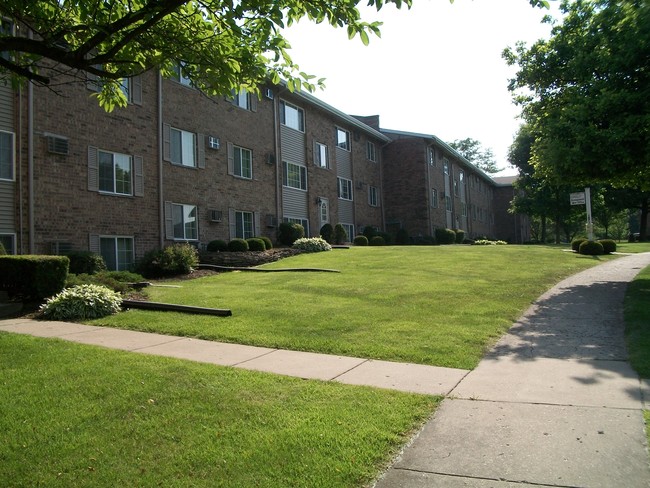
(303, 177)
(253, 102)
(316, 155)
(169, 221)
(93, 243)
(200, 150)
(231, 158)
(136, 89)
(256, 223)
(232, 223)
(167, 136)
(138, 181)
(93, 169)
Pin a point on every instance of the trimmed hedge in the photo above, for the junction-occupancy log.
(360, 241)
(172, 260)
(460, 236)
(445, 236)
(289, 233)
(377, 241)
(35, 277)
(340, 235)
(575, 243)
(255, 244)
(609, 246)
(85, 262)
(267, 242)
(402, 237)
(217, 246)
(591, 248)
(327, 233)
(238, 245)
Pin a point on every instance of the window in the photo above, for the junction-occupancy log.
(461, 177)
(320, 155)
(349, 230)
(295, 176)
(117, 252)
(448, 203)
(115, 173)
(445, 166)
(6, 29)
(8, 242)
(6, 156)
(244, 99)
(244, 227)
(345, 188)
(182, 147)
(303, 222)
(431, 156)
(185, 225)
(132, 89)
(179, 76)
(324, 209)
(373, 196)
(434, 198)
(243, 162)
(456, 192)
(371, 151)
(292, 116)
(343, 139)
(463, 209)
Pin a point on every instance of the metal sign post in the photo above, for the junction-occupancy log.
(590, 224)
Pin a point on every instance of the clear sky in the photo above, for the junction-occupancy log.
(437, 68)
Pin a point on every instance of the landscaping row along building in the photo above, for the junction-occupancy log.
(175, 165)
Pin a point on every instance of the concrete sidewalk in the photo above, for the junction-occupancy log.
(555, 403)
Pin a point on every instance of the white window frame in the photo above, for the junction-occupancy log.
(296, 119)
(349, 230)
(242, 99)
(120, 266)
(434, 198)
(448, 205)
(238, 162)
(371, 151)
(431, 156)
(445, 166)
(345, 189)
(343, 138)
(242, 231)
(324, 210)
(114, 165)
(186, 138)
(186, 210)
(179, 77)
(373, 196)
(12, 154)
(302, 172)
(321, 155)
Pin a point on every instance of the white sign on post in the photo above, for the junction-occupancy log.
(577, 198)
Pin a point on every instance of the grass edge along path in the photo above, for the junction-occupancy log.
(440, 306)
(76, 415)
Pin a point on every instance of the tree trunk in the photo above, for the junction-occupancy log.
(643, 221)
(543, 239)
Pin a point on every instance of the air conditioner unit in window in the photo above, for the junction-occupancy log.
(57, 144)
(214, 142)
(216, 215)
(271, 221)
(268, 93)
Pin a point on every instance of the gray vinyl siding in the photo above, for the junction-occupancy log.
(346, 212)
(7, 206)
(6, 107)
(293, 145)
(294, 203)
(343, 163)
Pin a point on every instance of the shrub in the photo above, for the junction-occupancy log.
(575, 243)
(85, 262)
(369, 231)
(377, 241)
(460, 236)
(172, 260)
(256, 244)
(402, 237)
(327, 233)
(445, 236)
(488, 242)
(217, 245)
(267, 242)
(82, 302)
(591, 248)
(289, 233)
(3, 251)
(609, 246)
(360, 241)
(340, 235)
(238, 245)
(387, 237)
(117, 281)
(36, 277)
(424, 240)
(312, 244)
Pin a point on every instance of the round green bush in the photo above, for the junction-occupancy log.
(327, 233)
(377, 241)
(289, 233)
(255, 244)
(267, 242)
(340, 235)
(575, 243)
(591, 248)
(312, 244)
(402, 237)
(369, 231)
(238, 245)
(360, 241)
(445, 236)
(85, 262)
(217, 245)
(609, 245)
(460, 236)
(82, 302)
(172, 260)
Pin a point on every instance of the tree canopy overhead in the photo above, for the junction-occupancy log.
(472, 150)
(585, 94)
(221, 45)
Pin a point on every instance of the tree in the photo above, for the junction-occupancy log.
(585, 94)
(220, 46)
(471, 150)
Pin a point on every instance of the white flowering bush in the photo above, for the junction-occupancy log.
(486, 242)
(312, 244)
(82, 302)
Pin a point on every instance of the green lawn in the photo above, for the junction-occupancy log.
(443, 305)
(637, 322)
(80, 416)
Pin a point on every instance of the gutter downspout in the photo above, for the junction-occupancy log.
(20, 170)
(278, 166)
(427, 168)
(161, 201)
(30, 162)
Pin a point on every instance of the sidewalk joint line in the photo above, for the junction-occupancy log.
(256, 357)
(347, 371)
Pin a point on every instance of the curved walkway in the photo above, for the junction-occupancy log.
(555, 402)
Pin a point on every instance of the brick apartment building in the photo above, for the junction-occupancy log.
(175, 165)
